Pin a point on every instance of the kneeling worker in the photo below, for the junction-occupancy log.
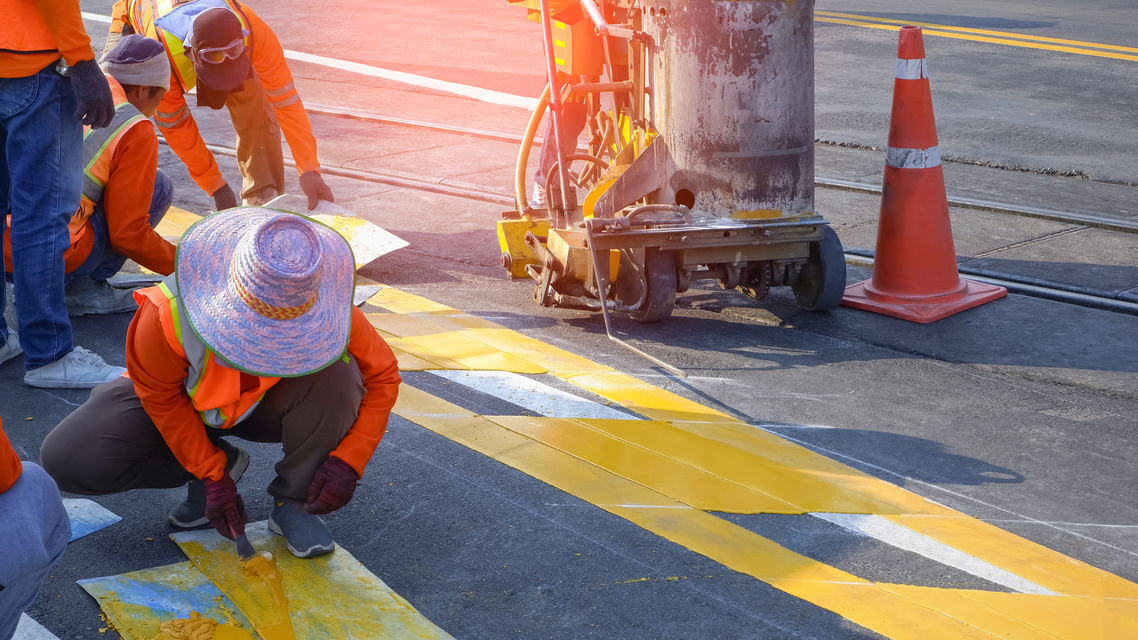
(125, 194)
(255, 336)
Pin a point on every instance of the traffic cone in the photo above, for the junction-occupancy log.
(914, 270)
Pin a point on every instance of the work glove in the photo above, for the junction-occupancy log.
(223, 198)
(332, 487)
(224, 507)
(315, 188)
(95, 106)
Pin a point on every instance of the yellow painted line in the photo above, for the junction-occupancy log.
(683, 483)
(803, 481)
(1027, 559)
(1011, 39)
(469, 353)
(609, 473)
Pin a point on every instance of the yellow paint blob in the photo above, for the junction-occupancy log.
(264, 567)
(199, 628)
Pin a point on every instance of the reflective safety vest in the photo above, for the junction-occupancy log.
(214, 390)
(98, 151)
(168, 21)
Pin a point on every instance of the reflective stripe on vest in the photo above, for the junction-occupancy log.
(99, 146)
(213, 389)
(168, 21)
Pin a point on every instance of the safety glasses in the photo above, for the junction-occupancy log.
(217, 55)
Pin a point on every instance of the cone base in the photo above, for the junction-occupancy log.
(922, 309)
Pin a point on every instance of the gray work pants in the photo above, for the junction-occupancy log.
(110, 444)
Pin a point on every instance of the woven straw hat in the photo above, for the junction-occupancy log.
(270, 292)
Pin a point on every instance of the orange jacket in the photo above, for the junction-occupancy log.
(159, 373)
(181, 131)
(29, 42)
(10, 465)
(129, 186)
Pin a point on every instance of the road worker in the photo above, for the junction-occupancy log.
(125, 195)
(234, 59)
(50, 86)
(34, 529)
(255, 336)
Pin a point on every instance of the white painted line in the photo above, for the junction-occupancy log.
(901, 537)
(28, 629)
(533, 395)
(87, 517)
(484, 95)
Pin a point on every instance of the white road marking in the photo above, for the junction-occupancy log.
(484, 95)
(533, 395)
(87, 517)
(891, 533)
(28, 629)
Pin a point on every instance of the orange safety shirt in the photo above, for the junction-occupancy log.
(126, 204)
(181, 131)
(159, 373)
(10, 465)
(36, 33)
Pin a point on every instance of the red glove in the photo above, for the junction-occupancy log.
(332, 486)
(224, 507)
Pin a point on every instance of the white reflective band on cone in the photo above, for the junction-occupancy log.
(912, 69)
(913, 158)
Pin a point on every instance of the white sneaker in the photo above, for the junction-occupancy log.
(88, 296)
(11, 348)
(259, 200)
(79, 369)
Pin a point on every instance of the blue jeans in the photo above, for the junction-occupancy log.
(40, 183)
(34, 531)
(103, 261)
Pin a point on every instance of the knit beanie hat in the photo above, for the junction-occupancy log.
(139, 61)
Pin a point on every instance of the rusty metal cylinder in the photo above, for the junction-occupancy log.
(733, 100)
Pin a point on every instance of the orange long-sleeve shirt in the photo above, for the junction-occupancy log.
(159, 376)
(10, 465)
(36, 33)
(181, 131)
(126, 203)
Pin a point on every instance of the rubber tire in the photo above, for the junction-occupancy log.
(822, 283)
(661, 279)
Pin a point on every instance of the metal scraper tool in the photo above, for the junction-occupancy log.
(244, 549)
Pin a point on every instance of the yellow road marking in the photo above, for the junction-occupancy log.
(984, 35)
(606, 463)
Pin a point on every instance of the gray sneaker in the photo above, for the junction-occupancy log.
(306, 535)
(191, 513)
(11, 348)
(86, 296)
(79, 369)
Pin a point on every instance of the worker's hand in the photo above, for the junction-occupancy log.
(315, 188)
(94, 104)
(224, 507)
(223, 198)
(332, 487)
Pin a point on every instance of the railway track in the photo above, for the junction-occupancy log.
(1034, 287)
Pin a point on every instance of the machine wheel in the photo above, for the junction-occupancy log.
(822, 281)
(660, 278)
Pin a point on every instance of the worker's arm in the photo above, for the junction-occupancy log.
(380, 373)
(10, 465)
(126, 201)
(159, 375)
(65, 22)
(269, 61)
(180, 130)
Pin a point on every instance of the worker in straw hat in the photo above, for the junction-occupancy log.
(254, 336)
